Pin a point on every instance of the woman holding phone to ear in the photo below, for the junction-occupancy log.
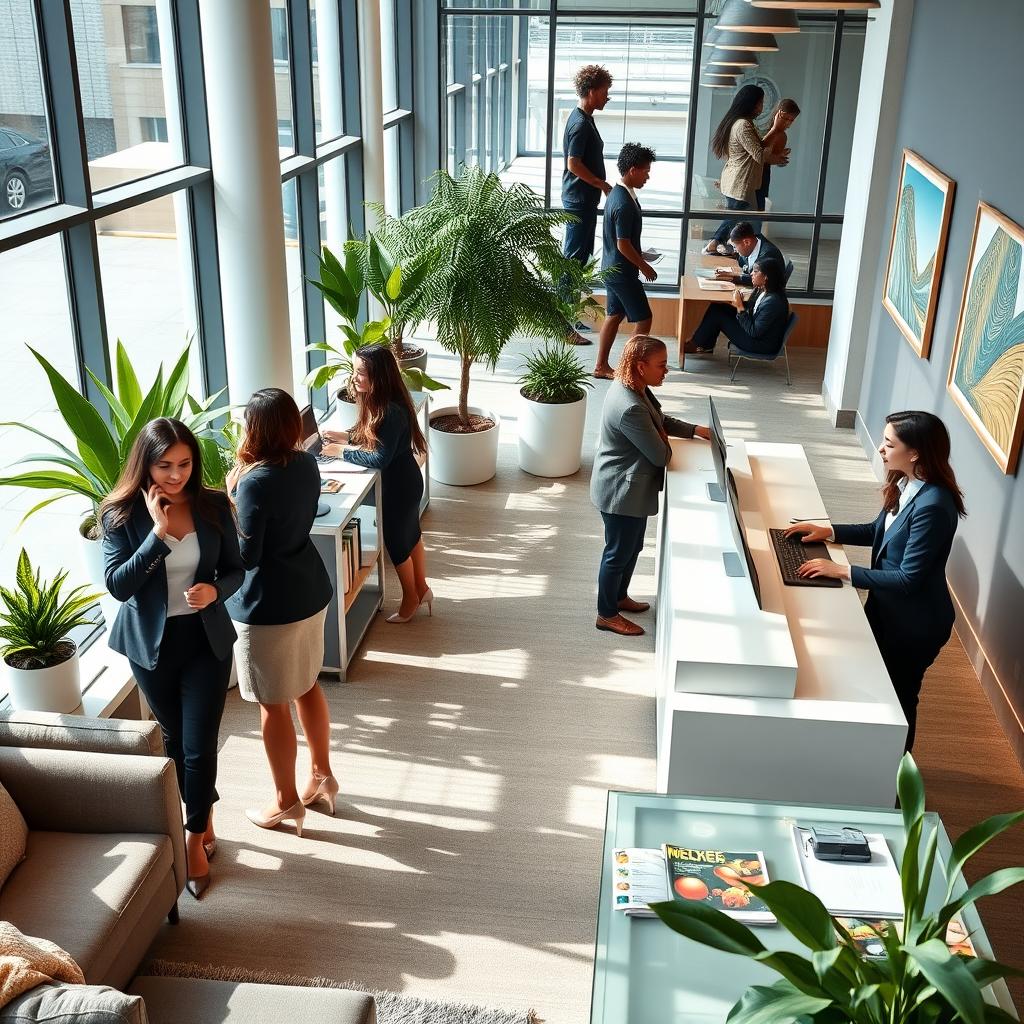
(171, 555)
(909, 606)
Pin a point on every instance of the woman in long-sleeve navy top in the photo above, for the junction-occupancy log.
(389, 439)
(909, 606)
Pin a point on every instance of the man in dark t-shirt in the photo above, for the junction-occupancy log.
(623, 254)
(583, 178)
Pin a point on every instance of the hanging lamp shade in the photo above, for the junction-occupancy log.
(743, 16)
(818, 5)
(718, 83)
(741, 58)
(754, 42)
(723, 70)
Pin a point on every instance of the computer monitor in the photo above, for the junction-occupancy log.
(310, 430)
(716, 491)
(732, 565)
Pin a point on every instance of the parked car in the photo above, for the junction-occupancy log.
(25, 170)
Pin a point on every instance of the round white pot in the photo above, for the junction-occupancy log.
(45, 689)
(463, 459)
(345, 414)
(551, 437)
(92, 560)
(418, 362)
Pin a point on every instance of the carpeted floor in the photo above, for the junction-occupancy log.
(475, 748)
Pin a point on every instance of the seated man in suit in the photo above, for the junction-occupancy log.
(754, 324)
(750, 247)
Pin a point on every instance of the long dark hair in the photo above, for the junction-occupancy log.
(155, 439)
(273, 429)
(927, 435)
(743, 105)
(385, 386)
(774, 275)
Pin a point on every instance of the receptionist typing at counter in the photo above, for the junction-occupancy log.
(629, 471)
(909, 606)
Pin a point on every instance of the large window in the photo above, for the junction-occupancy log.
(509, 91)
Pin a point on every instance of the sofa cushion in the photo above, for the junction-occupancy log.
(74, 1004)
(13, 835)
(76, 732)
(88, 893)
(173, 1000)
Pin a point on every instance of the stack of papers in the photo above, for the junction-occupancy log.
(715, 286)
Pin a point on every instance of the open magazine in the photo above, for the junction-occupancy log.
(867, 936)
(716, 878)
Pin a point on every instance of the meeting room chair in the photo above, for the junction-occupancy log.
(739, 353)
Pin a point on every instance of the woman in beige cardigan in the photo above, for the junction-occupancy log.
(737, 141)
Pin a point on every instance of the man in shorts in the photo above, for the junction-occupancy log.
(623, 254)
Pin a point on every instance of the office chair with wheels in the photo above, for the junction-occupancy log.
(739, 353)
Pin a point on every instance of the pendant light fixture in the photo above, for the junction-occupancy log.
(718, 83)
(723, 71)
(818, 5)
(755, 42)
(741, 58)
(742, 16)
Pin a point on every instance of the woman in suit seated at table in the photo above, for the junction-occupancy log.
(756, 324)
(389, 439)
(629, 470)
(908, 607)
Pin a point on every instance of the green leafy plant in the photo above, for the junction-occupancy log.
(919, 981)
(366, 267)
(38, 618)
(553, 374)
(574, 285)
(491, 257)
(219, 451)
(101, 446)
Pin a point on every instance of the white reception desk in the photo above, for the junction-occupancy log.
(787, 702)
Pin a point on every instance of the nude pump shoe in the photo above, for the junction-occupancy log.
(427, 599)
(327, 790)
(296, 813)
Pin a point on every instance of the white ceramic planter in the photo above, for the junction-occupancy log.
(463, 459)
(415, 362)
(45, 689)
(345, 414)
(551, 437)
(92, 560)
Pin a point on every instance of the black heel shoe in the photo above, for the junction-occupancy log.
(198, 884)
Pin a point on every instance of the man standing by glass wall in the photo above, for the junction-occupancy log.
(583, 180)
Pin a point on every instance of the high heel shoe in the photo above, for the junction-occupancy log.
(427, 599)
(327, 790)
(210, 848)
(296, 813)
(198, 884)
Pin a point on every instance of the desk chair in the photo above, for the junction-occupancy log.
(740, 353)
(788, 270)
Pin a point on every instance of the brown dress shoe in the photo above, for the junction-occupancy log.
(575, 338)
(691, 349)
(627, 604)
(619, 625)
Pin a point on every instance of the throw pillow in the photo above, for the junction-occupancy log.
(75, 1004)
(13, 835)
(26, 962)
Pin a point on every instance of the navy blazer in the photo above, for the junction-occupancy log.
(907, 592)
(768, 324)
(134, 573)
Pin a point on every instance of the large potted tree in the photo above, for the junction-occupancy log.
(40, 659)
(486, 247)
(554, 411)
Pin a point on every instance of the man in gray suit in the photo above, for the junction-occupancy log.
(629, 471)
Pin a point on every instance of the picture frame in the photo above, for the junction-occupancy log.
(986, 371)
(920, 228)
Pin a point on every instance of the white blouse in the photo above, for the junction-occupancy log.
(181, 565)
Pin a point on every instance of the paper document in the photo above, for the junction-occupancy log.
(715, 286)
(849, 888)
(651, 255)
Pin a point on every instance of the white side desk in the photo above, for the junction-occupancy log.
(839, 738)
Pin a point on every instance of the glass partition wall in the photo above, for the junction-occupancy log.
(508, 71)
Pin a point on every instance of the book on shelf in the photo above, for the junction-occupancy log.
(347, 560)
(354, 527)
(855, 889)
(717, 878)
(867, 934)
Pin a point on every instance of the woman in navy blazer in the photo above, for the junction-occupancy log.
(171, 556)
(909, 606)
(754, 324)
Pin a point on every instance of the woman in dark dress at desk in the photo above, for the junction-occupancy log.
(754, 324)
(908, 607)
(388, 439)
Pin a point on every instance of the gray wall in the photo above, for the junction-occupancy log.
(964, 80)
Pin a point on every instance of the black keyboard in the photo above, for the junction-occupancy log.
(792, 552)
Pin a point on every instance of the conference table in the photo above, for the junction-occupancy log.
(693, 299)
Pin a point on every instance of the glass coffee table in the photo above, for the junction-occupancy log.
(644, 972)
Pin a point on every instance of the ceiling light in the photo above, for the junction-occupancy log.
(721, 83)
(818, 5)
(756, 42)
(718, 70)
(741, 58)
(742, 16)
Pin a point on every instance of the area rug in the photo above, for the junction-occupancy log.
(392, 1008)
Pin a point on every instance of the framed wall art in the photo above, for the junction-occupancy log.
(986, 374)
(919, 229)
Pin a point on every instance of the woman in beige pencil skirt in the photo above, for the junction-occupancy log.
(279, 610)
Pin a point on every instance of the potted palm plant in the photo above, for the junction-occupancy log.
(919, 980)
(487, 247)
(554, 411)
(91, 469)
(40, 659)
